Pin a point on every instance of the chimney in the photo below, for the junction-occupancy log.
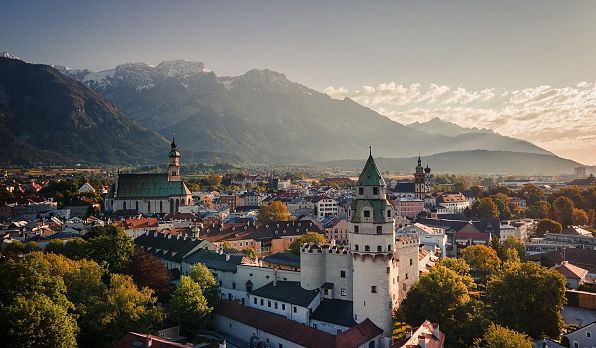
(227, 257)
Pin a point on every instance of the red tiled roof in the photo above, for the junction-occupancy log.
(156, 342)
(472, 235)
(276, 325)
(423, 333)
(569, 270)
(303, 335)
(358, 335)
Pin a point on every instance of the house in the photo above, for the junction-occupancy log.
(431, 238)
(466, 238)
(584, 183)
(408, 207)
(232, 200)
(336, 229)
(171, 249)
(86, 188)
(582, 258)
(252, 325)
(451, 203)
(574, 275)
(325, 206)
(427, 335)
(584, 337)
(138, 340)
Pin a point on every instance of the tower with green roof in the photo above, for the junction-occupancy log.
(371, 236)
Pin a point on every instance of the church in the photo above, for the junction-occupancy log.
(417, 189)
(150, 193)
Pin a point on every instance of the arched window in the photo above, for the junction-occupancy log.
(371, 344)
(356, 247)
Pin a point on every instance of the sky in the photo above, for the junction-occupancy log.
(409, 60)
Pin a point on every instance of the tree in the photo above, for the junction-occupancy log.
(482, 258)
(538, 210)
(274, 211)
(502, 202)
(251, 253)
(508, 244)
(114, 248)
(497, 336)
(528, 298)
(36, 321)
(477, 191)
(485, 208)
(563, 208)
(531, 193)
(126, 308)
(308, 237)
(188, 307)
(460, 315)
(580, 217)
(55, 246)
(547, 226)
(148, 271)
(201, 275)
(461, 268)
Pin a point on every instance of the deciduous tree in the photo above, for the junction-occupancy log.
(482, 258)
(528, 298)
(547, 226)
(148, 271)
(309, 237)
(497, 336)
(188, 306)
(485, 208)
(274, 211)
(201, 275)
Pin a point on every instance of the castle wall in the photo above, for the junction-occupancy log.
(312, 267)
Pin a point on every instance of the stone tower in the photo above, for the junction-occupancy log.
(174, 162)
(419, 182)
(372, 243)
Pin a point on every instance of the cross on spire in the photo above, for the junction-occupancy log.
(370, 150)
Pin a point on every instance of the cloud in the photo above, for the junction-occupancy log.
(562, 120)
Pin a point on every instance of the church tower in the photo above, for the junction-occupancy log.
(174, 162)
(372, 243)
(427, 181)
(419, 182)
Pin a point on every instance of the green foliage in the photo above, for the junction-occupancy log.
(485, 208)
(110, 245)
(528, 298)
(251, 253)
(274, 211)
(547, 226)
(36, 321)
(126, 308)
(201, 275)
(497, 336)
(538, 210)
(309, 237)
(531, 193)
(461, 316)
(481, 258)
(510, 247)
(188, 307)
(461, 267)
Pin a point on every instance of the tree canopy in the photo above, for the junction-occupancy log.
(547, 226)
(201, 275)
(188, 306)
(497, 336)
(274, 211)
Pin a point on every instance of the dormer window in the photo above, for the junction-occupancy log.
(367, 213)
(375, 190)
(361, 191)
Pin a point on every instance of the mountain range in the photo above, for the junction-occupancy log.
(125, 115)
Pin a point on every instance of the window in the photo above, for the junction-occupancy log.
(404, 286)
(389, 213)
(379, 248)
(343, 292)
(575, 345)
(371, 344)
(255, 300)
(373, 289)
(367, 213)
(361, 190)
(269, 304)
(389, 247)
(262, 302)
(356, 247)
(379, 229)
(338, 331)
(283, 306)
(588, 334)
(388, 270)
(342, 274)
(233, 285)
(281, 346)
(367, 248)
(295, 309)
(406, 276)
(275, 305)
(314, 325)
(375, 190)
(410, 262)
(356, 229)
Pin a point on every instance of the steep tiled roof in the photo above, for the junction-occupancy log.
(286, 291)
(584, 258)
(427, 335)
(358, 334)
(370, 175)
(405, 187)
(165, 246)
(340, 312)
(214, 260)
(258, 231)
(569, 270)
(276, 325)
(147, 185)
(285, 259)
